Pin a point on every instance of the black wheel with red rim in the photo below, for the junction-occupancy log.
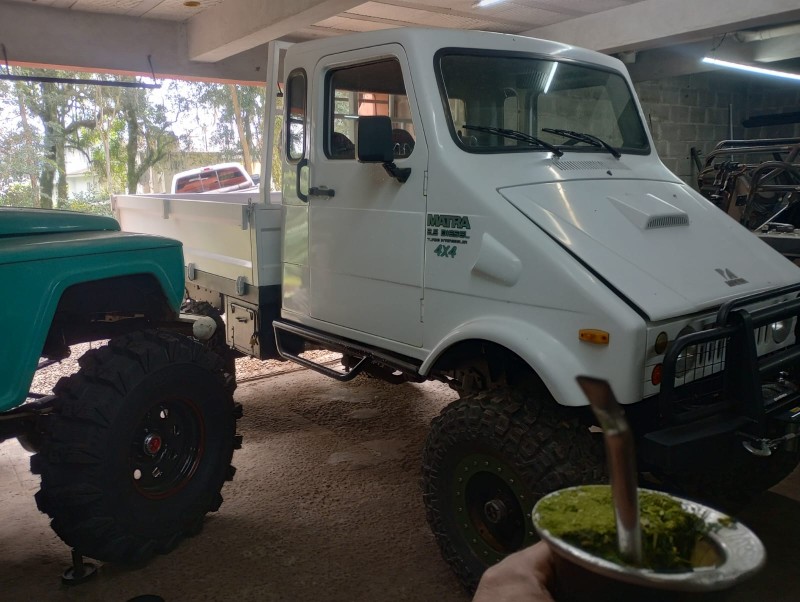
(137, 447)
(167, 447)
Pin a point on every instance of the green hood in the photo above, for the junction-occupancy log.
(22, 222)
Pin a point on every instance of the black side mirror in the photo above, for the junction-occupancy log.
(375, 145)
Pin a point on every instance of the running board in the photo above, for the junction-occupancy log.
(369, 356)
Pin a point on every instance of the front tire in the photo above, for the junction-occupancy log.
(137, 447)
(488, 459)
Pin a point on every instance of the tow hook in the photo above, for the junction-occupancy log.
(764, 447)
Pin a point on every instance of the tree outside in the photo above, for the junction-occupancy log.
(129, 139)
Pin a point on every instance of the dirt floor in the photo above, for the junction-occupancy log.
(325, 506)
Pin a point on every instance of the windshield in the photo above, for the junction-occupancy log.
(536, 98)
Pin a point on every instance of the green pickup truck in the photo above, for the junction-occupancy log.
(134, 448)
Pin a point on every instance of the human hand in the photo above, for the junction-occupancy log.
(524, 576)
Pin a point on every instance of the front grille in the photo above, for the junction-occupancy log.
(701, 360)
(723, 368)
(707, 358)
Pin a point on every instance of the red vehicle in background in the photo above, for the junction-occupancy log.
(222, 177)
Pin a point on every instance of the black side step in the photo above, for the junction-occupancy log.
(370, 356)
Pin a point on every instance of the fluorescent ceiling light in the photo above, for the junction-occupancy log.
(483, 3)
(751, 69)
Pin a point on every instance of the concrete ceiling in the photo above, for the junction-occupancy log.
(225, 39)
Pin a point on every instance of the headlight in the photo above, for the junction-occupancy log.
(688, 357)
(781, 330)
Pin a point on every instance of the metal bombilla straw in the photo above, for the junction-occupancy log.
(621, 464)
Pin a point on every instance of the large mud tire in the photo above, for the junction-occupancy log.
(488, 459)
(137, 447)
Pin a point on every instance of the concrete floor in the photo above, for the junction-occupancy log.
(325, 506)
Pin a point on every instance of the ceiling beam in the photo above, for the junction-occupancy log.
(656, 23)
(777, 49)
(673, 61)
(38, 36)
(238, 25)
(685, 59)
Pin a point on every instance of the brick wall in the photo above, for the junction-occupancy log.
(773, 96)
(694, 111)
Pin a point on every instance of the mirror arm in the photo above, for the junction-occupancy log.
(401, 174)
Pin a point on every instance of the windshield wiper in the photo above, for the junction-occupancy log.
(587, 138)
(516, 135)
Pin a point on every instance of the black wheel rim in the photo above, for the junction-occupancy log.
(167, 447)
(492, 510)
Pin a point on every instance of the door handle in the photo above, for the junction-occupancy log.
(322, 191)
(303, 197)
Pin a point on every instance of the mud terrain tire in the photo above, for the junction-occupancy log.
(488, 458)
(137, 447)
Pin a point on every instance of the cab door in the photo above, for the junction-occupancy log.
(295, 281)
(366, 229)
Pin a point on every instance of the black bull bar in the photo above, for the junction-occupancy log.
(704, 421)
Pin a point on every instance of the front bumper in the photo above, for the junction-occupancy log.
(705, 421)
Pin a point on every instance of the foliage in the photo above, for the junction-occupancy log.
(149, 138)
(63, 110)
(238, 113)
(107, 157)
(124, 133)
(277, 166)
(92, 201)
(18, 158)
(17, 195)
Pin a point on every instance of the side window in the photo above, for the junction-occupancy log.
(296, 115)
(367, 90)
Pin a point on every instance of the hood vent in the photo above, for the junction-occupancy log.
(567, 165)
(667, 221)
(649, 212)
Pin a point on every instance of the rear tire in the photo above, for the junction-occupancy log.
(137, 447)
(488, 459)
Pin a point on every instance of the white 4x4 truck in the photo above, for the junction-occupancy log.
(488, 210)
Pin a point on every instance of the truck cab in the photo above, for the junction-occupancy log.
(535, 208)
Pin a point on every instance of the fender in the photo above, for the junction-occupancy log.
(40, 290)
(552, 361)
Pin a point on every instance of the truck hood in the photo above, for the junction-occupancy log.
(659, 244)
(21, 222)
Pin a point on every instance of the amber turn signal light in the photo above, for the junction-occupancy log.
(590, 335)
